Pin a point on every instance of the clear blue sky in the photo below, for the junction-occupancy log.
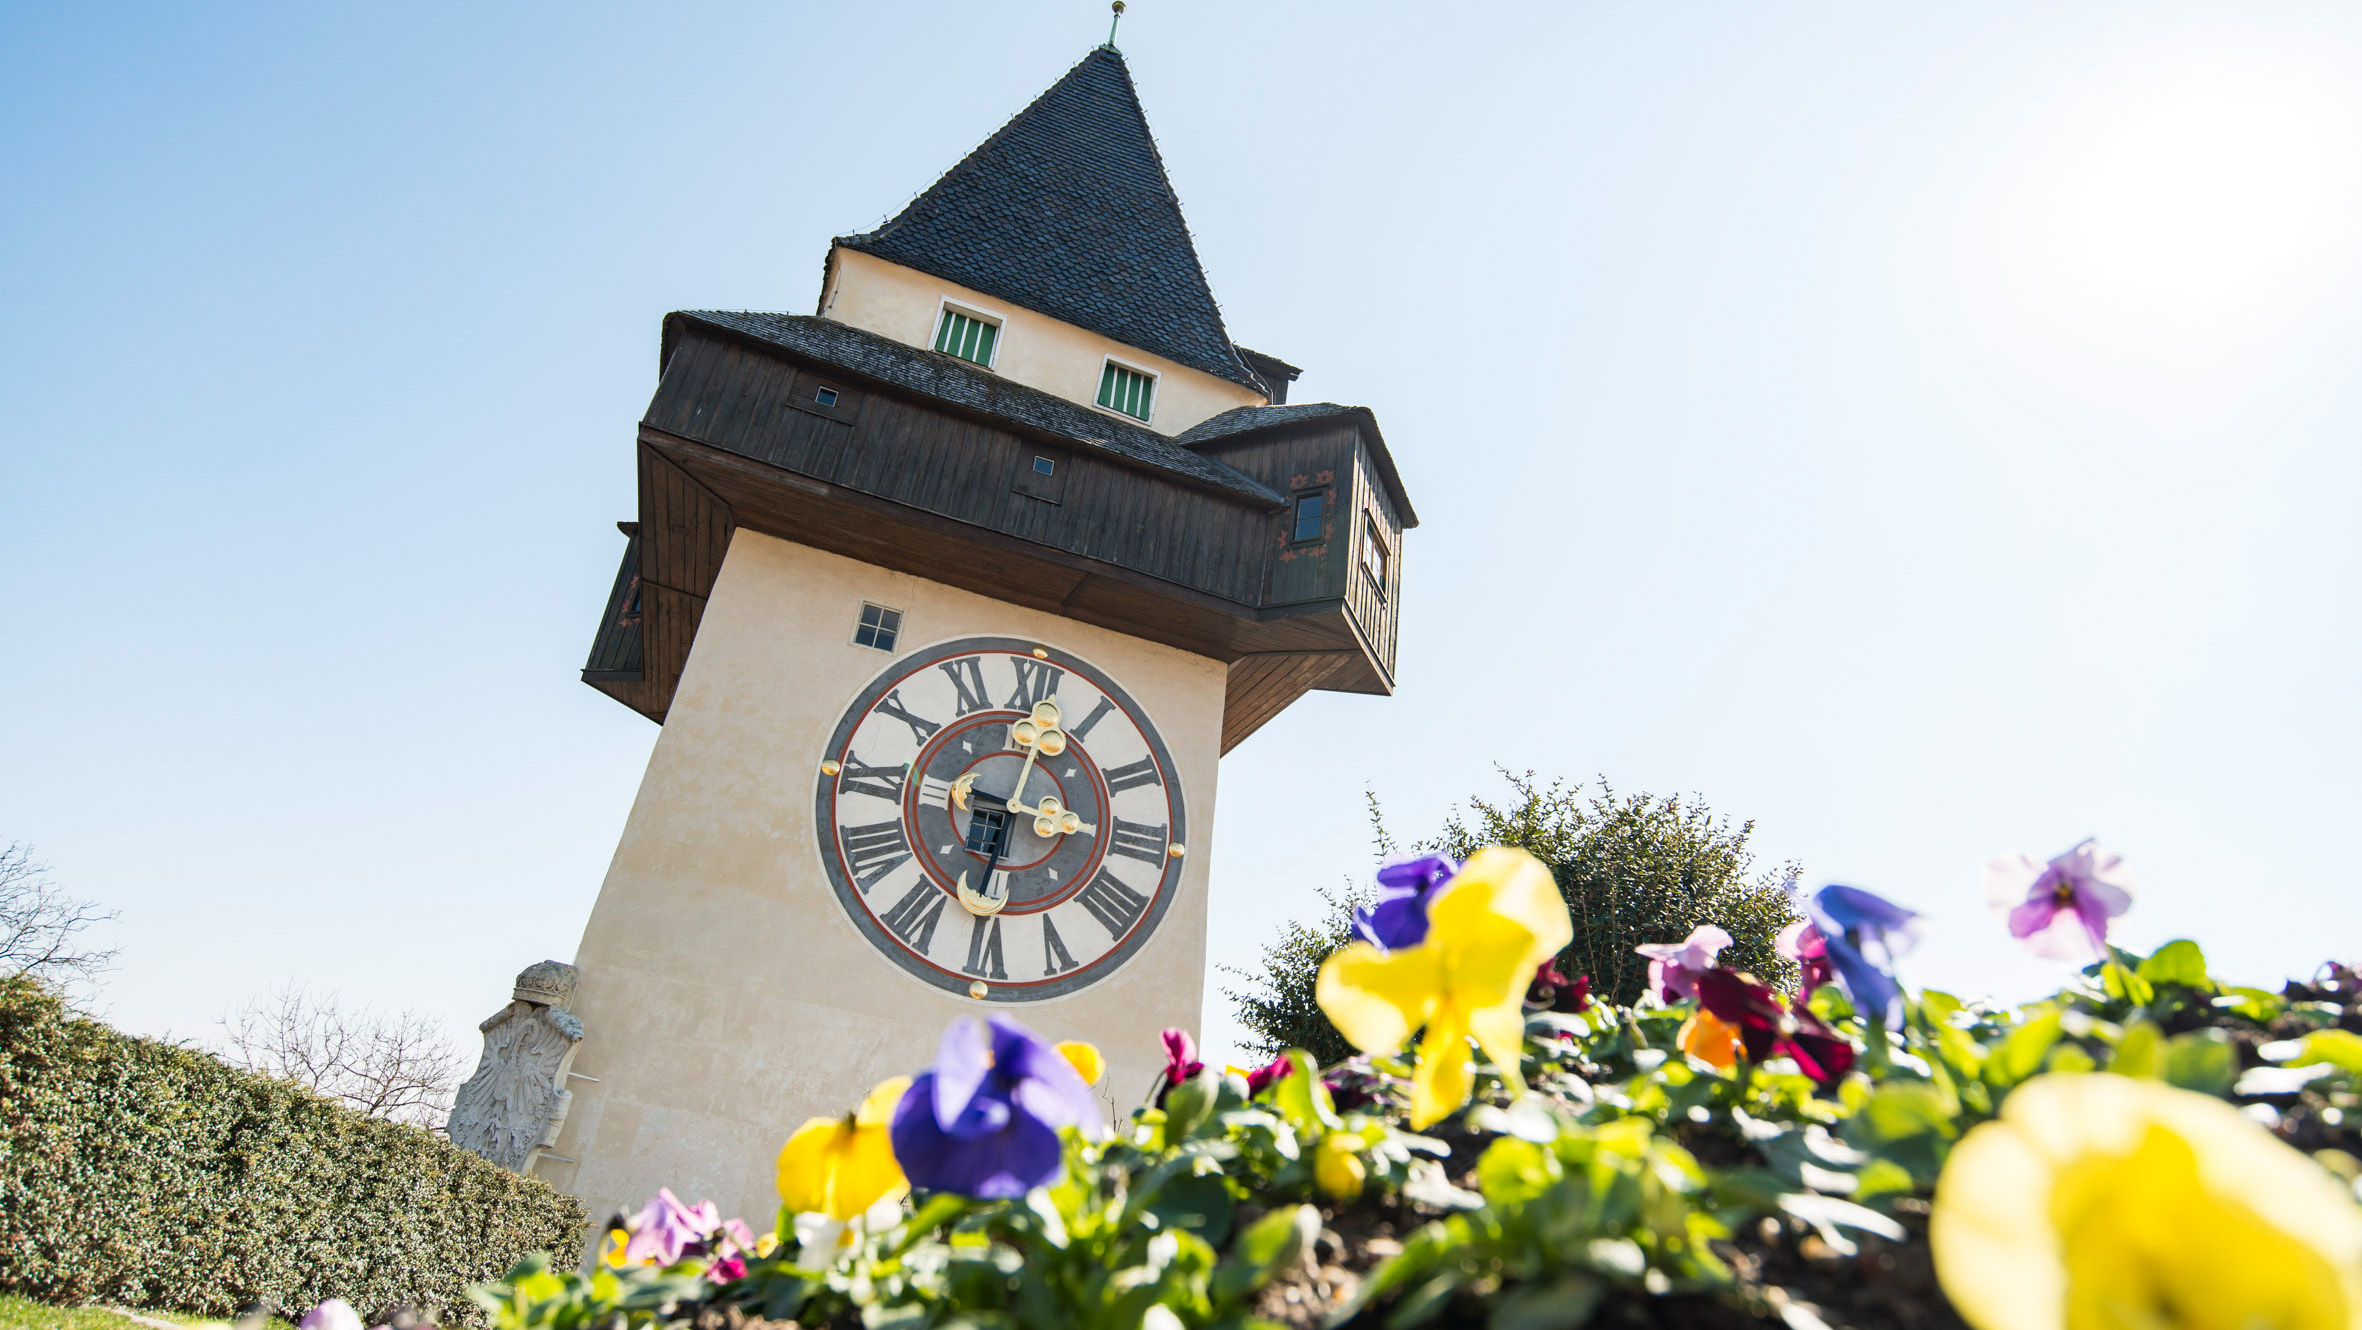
(1929, 431)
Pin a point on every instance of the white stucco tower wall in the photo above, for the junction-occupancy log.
(725, 996)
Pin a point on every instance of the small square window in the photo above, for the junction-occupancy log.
(1127, 390)
(1373, 552)
(988, 829)
(971, 337)
(826, 397)
(1043, 466)
(1310, 509)
(878, 627)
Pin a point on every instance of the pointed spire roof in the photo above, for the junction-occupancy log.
(1067, 212)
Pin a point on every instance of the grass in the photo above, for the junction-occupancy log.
(25, 1314)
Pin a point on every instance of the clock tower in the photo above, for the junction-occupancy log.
(949, 597)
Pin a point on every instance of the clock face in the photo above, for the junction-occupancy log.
(1000, 819)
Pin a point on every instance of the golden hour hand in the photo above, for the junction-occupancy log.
(1052, 818)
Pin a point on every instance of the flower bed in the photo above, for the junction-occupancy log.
(2147, 1147)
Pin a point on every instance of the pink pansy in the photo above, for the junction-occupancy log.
(1802, 943)
(2061, 909)
(1277, 1069)
(1674, 967)
(664, 1228)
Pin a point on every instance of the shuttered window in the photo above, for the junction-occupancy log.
(967, 337)
(1127, 390)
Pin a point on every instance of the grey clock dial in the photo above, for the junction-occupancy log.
(1023, 775)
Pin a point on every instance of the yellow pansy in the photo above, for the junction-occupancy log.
(1488, 930)
(2105, 1201)
(840, 1167)
(1337, 1167)
(1088, 1062)
(1710, 1039)
(618, 1238)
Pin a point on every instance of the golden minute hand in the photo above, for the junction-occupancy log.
(1038, 734)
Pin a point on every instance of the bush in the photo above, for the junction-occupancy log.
(141, 1173)
(1634, 868)
(1637, 868)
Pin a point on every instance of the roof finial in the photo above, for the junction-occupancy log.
(1118, 6)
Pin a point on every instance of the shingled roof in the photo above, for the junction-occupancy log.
(1067, 211)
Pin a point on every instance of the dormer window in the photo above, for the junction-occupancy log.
(1131, 391)
(969, 334)
(1312, 510)
(1373, 553)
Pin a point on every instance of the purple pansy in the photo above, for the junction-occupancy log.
(1398, 918)
(1861, 934)
(334, 1314)
(1674, 967)
(983, 1121)
(664, 1228)
(2061, 909)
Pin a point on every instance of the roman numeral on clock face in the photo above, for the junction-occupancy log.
(914, 917)
(1131, 775)
(1055, 959)
(1037, 680)
(878, 782)
(1116, 906)
(875, 850)
(984, 949)
(967, 675)
(921, 729)
(934, 792)
(1138, 840)
(1082, 732)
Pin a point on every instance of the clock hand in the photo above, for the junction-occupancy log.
(990, 900)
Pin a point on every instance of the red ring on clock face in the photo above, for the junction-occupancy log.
(895, 849)
(1051, 869)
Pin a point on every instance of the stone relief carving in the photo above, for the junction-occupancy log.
(511, 1109)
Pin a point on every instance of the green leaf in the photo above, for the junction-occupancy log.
(1902, 1109)
(2021, 1052)
(2256, 1004)
(2177, 962)
(1563, 1304)
(2120, 982)
(1201, 1205)
(1303, 1100)
(2141, 1052)
(1269, 1245)
(1189, 1104)
(1424, 1302)
(2339, 1048)
(1882, 1177)
(2071, 1057)
(2202, 1060)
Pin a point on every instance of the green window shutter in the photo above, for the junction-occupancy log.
(969, 339)
(1127, 391)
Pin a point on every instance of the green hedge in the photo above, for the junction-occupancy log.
(141, 1173)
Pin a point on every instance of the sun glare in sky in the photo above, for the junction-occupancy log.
(2206, 192)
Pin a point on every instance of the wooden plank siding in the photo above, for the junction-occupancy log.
(735, 436)
(1371, 604)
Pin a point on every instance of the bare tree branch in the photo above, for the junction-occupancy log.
(398, 1067)
(41, 925)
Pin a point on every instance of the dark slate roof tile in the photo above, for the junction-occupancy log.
(1067, 211)
(1243, 420)
(951, 380)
